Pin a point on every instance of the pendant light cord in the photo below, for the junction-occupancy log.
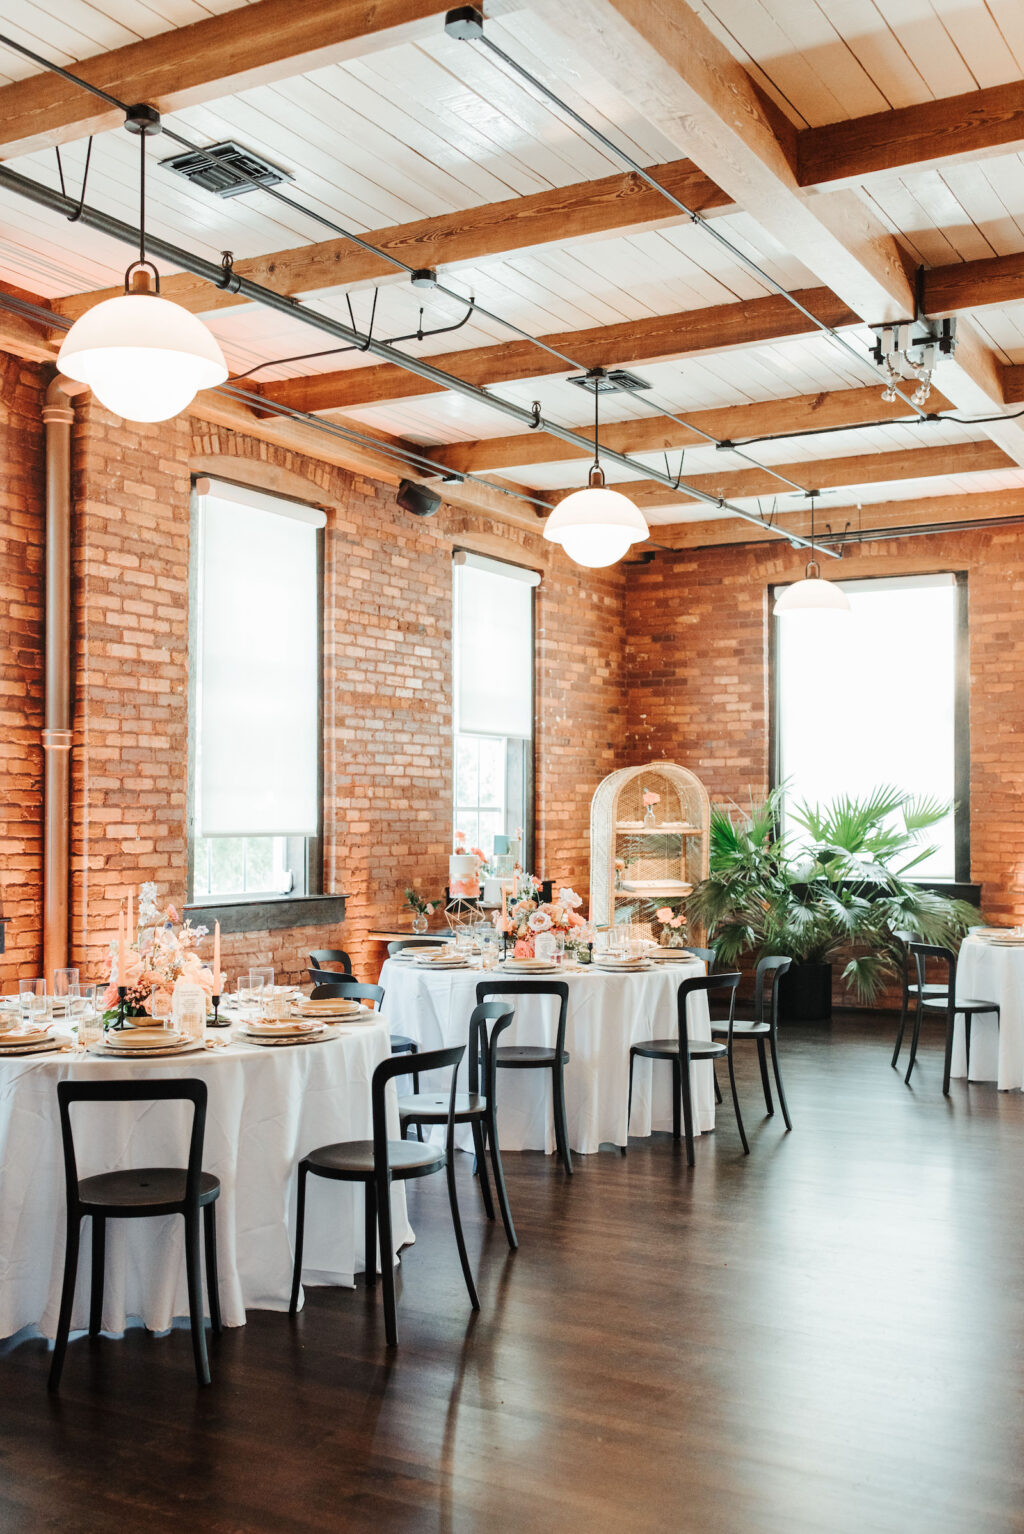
(142, 199)
(597, 423)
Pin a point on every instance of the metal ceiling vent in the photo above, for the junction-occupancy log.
(227, 170)
(617, 381)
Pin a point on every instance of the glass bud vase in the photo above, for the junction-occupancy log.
(419, 923)
(649, 815)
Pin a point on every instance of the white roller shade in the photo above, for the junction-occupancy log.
(494, 647)
(257, 700)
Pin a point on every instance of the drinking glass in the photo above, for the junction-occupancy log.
(257, 985)
(243, 995)
(489, 950)
(89, 1022)
(558, 954)
(63, 980)
(32, 994)
(464, 939)
(261, 978)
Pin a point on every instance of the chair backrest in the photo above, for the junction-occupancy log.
(556, 988)
(707, 954)
(922, 953)
(408, 942)
(398, 1065)
(706, 983)
(355, 990)
(482, 1066)
(176, 1089)
(321, 956)
(769, 972)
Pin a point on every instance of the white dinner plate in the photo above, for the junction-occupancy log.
(266, 1041)
(134, 1052)
(35, 1047)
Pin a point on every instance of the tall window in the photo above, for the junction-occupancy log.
(493, 654)
(255, 671)
(879, 699)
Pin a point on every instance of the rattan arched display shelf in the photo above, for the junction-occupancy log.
(642, 856)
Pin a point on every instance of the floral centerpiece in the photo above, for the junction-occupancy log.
(161, 952)
(526, 916)
(669, 927)
(421, 909)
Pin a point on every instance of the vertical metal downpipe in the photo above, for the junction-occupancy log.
(58, 417)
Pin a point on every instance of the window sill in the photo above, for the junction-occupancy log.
(271, 913)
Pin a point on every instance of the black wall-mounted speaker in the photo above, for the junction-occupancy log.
(417, 498)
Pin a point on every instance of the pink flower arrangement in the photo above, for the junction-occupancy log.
(651, 798)
(526, 917)
(669, 926)
(158, 957)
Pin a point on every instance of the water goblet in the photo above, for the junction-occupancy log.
(32, 996)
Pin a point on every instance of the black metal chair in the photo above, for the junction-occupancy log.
(401, 943)
(763, 1027)
(376, 1164)
(141, 1193)
(476, 1107)
(321, 956)
(533, 1057)
(909, 989)
(681, 1050)
(707, 954)
(947, 1002)
(326, 985)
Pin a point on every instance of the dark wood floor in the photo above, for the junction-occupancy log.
(825, 1337)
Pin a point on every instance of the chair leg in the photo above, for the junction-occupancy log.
(416, 1088)
(714, 1078)
(370, 1235)
(460, 1240)
(762, 1060)
(212, 1276)
(67, 1300)
(736, 1105)
(300, 1230)
(681, 1085)
(677, 1092)
(561, 1126)
(499, 1182)
(967, 1044)
(913, 1040)
(629, 1098)
(899, 1030)
(194, 1275)
(382, 1190)
(773, 1045)
(99, 1245)
(947, 1065)
(481, 1166)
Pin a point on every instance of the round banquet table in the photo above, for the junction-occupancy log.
(992, 972)
(607, 1013)
(267, 1107)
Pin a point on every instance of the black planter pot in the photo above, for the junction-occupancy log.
(805, 994)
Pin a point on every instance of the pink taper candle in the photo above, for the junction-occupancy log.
(120, 945)
(216, 958)
(130, 933)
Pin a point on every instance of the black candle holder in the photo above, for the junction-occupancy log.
(122, 993)
(216, 1014)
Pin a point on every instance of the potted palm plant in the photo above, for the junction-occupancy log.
(847, 893)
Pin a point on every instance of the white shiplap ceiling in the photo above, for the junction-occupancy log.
(435, 127)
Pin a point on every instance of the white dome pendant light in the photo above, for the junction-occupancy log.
(813, 593)
(596, 526)
(143, 357)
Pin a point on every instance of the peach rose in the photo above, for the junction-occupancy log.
(523, 948)
(664, 913)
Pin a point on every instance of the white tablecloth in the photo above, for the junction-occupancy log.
(607, 1013)
(266, 1109)
(991, 972)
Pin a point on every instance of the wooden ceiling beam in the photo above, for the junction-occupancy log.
(631, 342)
(933, 133)
(826, 474)
(216, 57)
(967, 285)
(925, 512)
(673, 70)
(24, 337)
(660, 433)
(618, 205)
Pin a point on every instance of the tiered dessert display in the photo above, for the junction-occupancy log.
(649, 838)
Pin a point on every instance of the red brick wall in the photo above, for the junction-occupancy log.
(22, 580)
(387, 706)
(697, 678)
